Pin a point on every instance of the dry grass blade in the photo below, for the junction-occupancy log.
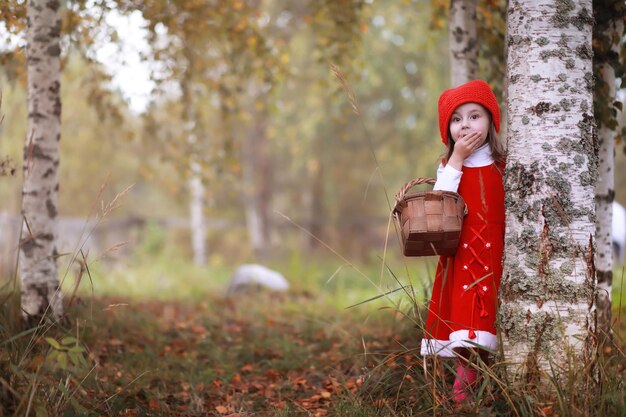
(112, 249)
(116, 202)
(377, 297)
(346, 87)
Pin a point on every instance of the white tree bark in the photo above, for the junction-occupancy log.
(547, 316)
(463, 41)
(40, 292)
(256, 191)
(257, 175)
(197, 219)
(605, 194)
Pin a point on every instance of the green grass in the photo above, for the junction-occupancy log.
(178, 347)
(168, 275)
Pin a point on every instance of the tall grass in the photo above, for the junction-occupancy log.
(133, 349)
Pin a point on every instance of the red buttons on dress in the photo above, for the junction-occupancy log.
(465, 267)
(464, 287)
(487, 245)
(486, 268)
(484, 288)
(465, 245)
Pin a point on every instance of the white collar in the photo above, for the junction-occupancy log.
(480, 157)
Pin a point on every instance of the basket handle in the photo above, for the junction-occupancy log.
(415, 181)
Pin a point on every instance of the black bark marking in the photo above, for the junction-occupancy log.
(583, 18)
(605, 277)
(55, 87)
(53, 50)
(609, 197)
(53, 5)
(57, 106)
(52, 210)
(541, 108)
(28, 245)
(584, 51)
(41, 291)
(39, 154)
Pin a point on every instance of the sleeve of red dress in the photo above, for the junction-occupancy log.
(448, 178)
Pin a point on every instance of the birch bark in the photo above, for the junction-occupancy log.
(197, 222)
(605, 194)
(40, 292)
(196, 212)
(605, 188)
(257, 183)
(547, 316)
(463, 41)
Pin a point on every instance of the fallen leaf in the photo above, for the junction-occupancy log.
(221, 409)
(236, 379)
(154, 404)
(198, 329)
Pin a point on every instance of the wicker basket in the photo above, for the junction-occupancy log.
(430, 221)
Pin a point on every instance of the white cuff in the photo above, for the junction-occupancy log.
(448, 178)
(437, 347)
(459, 339)
(483, 339)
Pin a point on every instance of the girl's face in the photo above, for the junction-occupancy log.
(469, 118)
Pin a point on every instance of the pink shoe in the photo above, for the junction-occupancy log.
(466, 376)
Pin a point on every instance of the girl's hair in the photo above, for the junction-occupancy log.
(498, 151)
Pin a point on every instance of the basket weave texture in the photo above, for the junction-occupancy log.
(430, 221)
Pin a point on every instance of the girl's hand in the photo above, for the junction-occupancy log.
(463, 148)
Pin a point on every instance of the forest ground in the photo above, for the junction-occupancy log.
(256, 354)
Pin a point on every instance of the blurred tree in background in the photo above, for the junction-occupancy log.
(274, 133)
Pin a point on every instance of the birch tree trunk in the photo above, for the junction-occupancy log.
(197, 223)
(196, 211)
(317, 210)
(463, 41)
(547, 315)
(605, 194)
(257, 183)
(40, 292)
(612, 29)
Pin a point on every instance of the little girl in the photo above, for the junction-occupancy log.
(462, 310)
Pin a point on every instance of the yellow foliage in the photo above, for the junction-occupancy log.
(145, 172)
(241, 25)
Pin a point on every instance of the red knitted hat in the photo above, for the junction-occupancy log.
(476, 91)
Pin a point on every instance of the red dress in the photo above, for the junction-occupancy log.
(462, 309)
